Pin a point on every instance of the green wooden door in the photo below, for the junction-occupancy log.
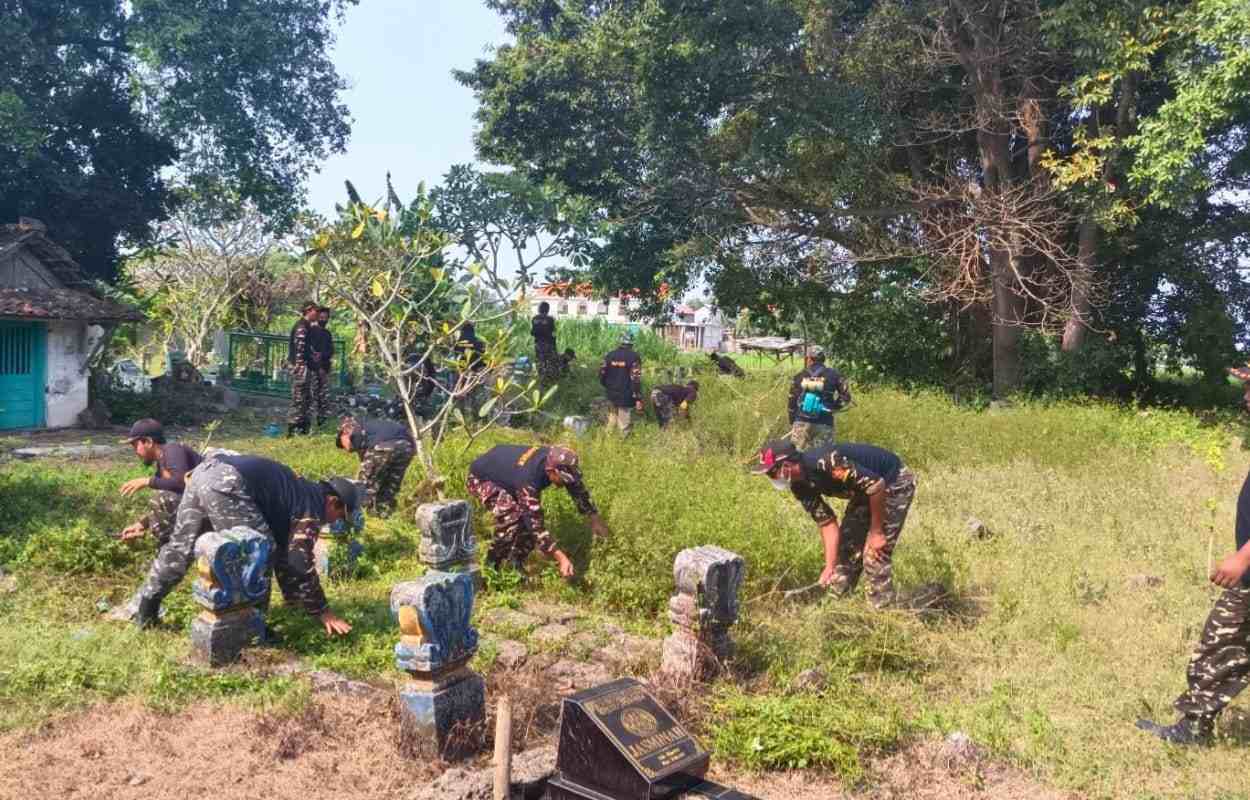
(22, 356)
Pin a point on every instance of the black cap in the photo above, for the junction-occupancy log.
(773, 453)
(347, 491)
(145, 429)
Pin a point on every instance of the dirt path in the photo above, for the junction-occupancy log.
(345, 748)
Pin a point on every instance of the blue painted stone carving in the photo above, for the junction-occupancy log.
(434, 614)
(232, 568)
(447, 538)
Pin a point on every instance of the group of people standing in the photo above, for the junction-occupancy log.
(310, 357)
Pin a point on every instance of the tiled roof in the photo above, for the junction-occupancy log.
(63, 304)
(55, 259)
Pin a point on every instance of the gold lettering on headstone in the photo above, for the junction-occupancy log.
(650, 744)
(604, 706)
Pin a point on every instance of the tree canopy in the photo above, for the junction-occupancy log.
(101, 101)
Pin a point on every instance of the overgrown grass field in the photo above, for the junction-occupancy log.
(1054, 645)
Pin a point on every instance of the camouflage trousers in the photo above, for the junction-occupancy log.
(1220, 666)
(549, 364)
(514, 538)
(855, 524)
(382, 469)
(162, 509)
(807, 435)
(664, 409)
(319, 392)
(300, 398)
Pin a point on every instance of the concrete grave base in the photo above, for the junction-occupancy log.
(218, 637)
(443, 717)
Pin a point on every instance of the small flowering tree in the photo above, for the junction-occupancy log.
(411, 307)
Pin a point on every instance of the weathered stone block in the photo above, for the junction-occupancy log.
(713, 576)
(578, 425)
(443, 718)
(447, 539)
(218, 637)
(434, 615)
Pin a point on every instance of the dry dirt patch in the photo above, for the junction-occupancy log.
(346, 748)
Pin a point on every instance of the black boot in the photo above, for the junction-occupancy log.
(149, 612)
(1186, 731)
(291, 428)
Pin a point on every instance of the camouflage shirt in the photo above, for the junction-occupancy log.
(842, 470)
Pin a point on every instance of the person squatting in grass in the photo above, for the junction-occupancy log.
(816, 394)
(1219, 668)
(880, 489)
(321, 345)
(229, 490)
(621, 378)
(385, 449)
(301, 361)
(726, 365)
(671, 400)
(508, 480)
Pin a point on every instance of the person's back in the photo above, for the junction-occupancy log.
(618, 376)
(514, 467)
(280, 495)
(543, 329)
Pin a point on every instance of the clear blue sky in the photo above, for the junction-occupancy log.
(409, 115)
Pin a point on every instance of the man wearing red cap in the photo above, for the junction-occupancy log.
(508, 480)
(1220, 665)
(880, 489)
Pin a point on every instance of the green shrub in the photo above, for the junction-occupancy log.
(77, 549)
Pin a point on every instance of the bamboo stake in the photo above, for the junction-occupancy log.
(503, 748)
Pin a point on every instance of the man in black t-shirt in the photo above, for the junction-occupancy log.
(385, 449)
(173, 461)
(726, 365)
(670, 399)
(816, 394)
(508, 480)
(321, 347)
(230, 490)
(1219, 667)
(621, 378)
(543, 329)
(880, 489)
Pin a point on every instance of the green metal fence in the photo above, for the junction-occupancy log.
(256, 363)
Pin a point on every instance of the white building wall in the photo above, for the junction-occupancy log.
(65, 392)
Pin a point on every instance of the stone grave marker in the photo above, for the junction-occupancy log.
(445, 702)
(448, 543)
(232, 585)
(618, 743)
(706, 605)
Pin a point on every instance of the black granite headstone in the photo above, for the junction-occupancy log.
(562, 789)
(618, 743)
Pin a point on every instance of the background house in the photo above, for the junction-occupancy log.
(570, 301)
(703, 328)
(51, 325)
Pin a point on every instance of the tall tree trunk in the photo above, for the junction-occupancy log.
(1087, 247)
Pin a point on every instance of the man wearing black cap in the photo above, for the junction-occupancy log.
(508, 480)
(671, 399)
(385, 449)
(1219, 668)
(300, 361)
(230, 490)
(880, 489)
(321, 345)
(173, 462)
(815, 394)
(621, 378)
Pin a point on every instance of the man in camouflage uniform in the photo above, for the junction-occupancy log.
(385, 449)
(1220, 665)
(509, 480)
(816, 394)
(726, 365)
(321, 345)
(621, 378)
(880, 489)
(300, 362)
(172, 461)
(229, 490)
(671, 399)
(543, 329)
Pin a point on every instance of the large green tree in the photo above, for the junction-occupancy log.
(991, 143)
(102, 100)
